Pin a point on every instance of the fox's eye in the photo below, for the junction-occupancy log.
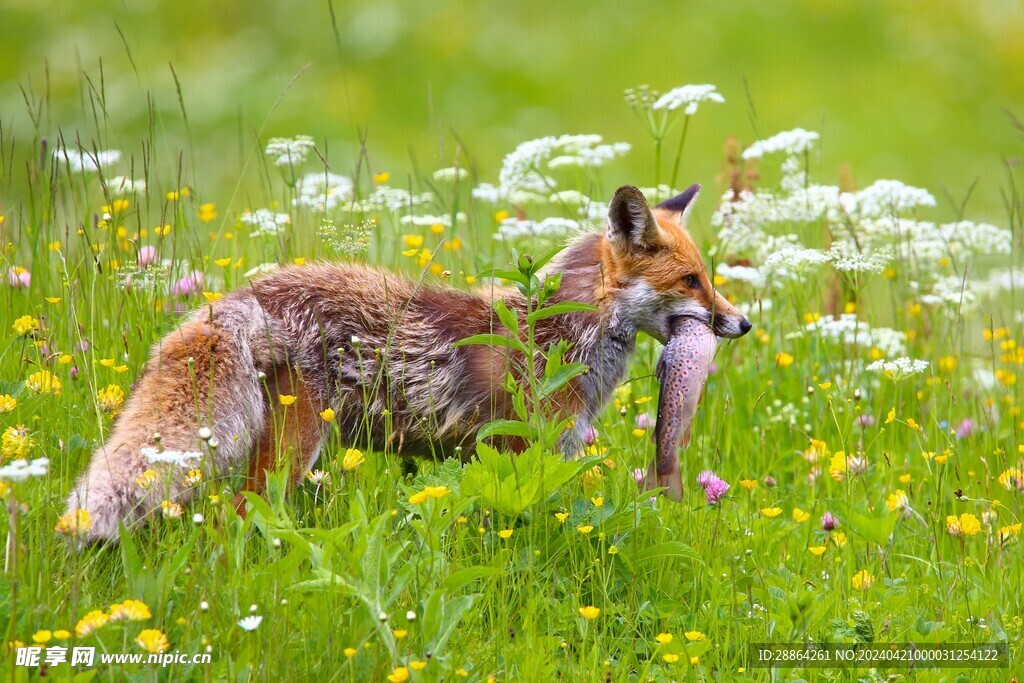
(691, 281)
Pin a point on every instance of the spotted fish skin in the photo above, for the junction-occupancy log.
(682, 372)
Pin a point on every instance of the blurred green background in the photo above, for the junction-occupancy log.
(913, 90)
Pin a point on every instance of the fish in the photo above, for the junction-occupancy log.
(682, 372)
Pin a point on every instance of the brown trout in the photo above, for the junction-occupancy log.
(682, 372)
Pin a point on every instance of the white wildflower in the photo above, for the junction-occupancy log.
(848, 260)
(791, 142)
(179, 458)
(262, 269)
(899, 368)
(290, 151)
(655, 195)
(21, 469)
(794, 260)
(321, 192)
(885, 197)
(569, 198)
(427, 220)
(250, 623)
(450, 175)
(266, 222)
(87, 162)
(752, 276)
(847, 329)
(551, 227)
(123, 185)
(688, 97)
(392, 199)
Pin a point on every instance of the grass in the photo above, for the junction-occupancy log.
(451, 571)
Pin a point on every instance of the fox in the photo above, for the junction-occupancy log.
(246, 380)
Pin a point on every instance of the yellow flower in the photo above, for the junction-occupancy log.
(837, 466)
(589, 612)
(964, 525)
(350, 652)
(130, 610)
(26, 324)
(839, 538)
(947, 363)
(613, 550)
(171, 510)
(437, 491)
(413, 241)
(110, 399)
(66, 359)
(694, 636)
(353, 459)
(153, 640)
(43, 382)
(400, 674)
(147, 479)
(771, 512)
(192, 478)
(891, 416)
(212, 296)
(61, 634)
(670, 657)
(16, 442)
(223, 262)
(207, 212)
(561, 517)
(286, 399)
(74, 523)
(638, 433)
(800, 516)
(501, 215)
(417, 665)
(418, 498)
(897, 500)
(437, 228)
(783, 359)
(663, 638)
(91, 622)
(381, 178)
(862, 580)
(913, 425)
(399, 633)
(505, 533)
(817, 550)
(695, 660)
(327, 415)
(41, 637)
(53, 299)
(1012, 479)
(748, 484)
(598, 501)
(584, 529)
(904, 479)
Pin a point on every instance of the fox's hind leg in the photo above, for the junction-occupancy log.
(292, 436)
(204, 374)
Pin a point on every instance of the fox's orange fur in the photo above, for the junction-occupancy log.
(378, 350)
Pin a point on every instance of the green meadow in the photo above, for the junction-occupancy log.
(155, 156)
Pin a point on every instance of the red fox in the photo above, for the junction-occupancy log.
(378, 350)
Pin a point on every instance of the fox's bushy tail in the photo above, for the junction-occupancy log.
(202, 376)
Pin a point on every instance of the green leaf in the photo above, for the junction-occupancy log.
(458, 580)
(561, 308)
(508, 318)
(562, 377)
(507, 428)
(494, 340)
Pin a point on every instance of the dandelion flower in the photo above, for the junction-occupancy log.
(43, 382)
(862, 580)
(74, 523)
(16, 442)
(25, 325)
(130, 610)
(91, 622)
(153, 640)
(590, 612)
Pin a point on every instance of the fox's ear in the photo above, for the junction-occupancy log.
(631, 224)
(681, 204)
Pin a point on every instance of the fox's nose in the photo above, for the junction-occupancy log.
(745, 326)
